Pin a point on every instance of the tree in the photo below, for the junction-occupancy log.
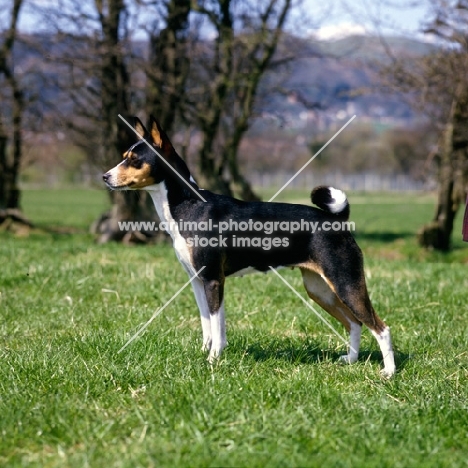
(92, 61)
(115, 90)
(246, 37)
(11, 112)
(204, 85)
(168, 64)
(437, 85)
(448, 75)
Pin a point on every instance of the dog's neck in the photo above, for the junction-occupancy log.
(169, 194)
(158, 194)
(177, 186)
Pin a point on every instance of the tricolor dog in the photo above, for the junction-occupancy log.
(330, 261)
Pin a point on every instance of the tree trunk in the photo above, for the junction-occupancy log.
(438, 232)
(10, 164)
(117, 138)
(239, 63)
(167, 73)
(452, 179)
(4, 183)
(11, 217)
(168, 67)
(240, 186)
(128, 206)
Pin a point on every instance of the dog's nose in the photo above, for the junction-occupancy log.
(106, 177)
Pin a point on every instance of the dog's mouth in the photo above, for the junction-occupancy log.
(119, 188)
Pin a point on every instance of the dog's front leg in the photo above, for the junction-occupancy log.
(214, 290)
(218, 333)
(200, 297)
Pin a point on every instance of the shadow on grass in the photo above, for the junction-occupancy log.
(291, 351)
(383, 236)
(309, 352)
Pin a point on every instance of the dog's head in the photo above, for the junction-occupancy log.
(146, 162)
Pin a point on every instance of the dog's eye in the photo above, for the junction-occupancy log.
(132, 158)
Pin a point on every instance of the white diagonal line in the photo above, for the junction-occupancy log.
(312, 158)
(143, 328)
(324, 320)
(152, 148)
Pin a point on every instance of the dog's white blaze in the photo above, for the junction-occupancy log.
(340, 200)
(385, 342)
(159, 195)
(114, 173)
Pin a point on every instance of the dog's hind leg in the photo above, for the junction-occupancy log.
(356, 297)
(319, 291)
(351, 292)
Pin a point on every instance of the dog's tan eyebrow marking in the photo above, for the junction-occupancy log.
(130, 151)
(129, 154)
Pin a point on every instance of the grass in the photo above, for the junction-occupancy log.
(278, 396)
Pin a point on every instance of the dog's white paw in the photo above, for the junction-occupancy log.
(347, 359)
(388, 373)
(206, 347)
(215, 352)
(212, 357)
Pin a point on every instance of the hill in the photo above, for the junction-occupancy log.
(366, 47)
(331, 80)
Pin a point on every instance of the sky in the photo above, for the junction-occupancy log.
(328, 19)
(345, 17)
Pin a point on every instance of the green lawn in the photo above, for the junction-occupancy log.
(278, 396)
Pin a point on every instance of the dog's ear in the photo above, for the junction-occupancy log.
(160, 139)
(140, 129)
(157, 133)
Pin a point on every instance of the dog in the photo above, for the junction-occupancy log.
(206, 229)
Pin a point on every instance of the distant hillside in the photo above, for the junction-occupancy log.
(335, 79)
(329, 80)
(371, 48)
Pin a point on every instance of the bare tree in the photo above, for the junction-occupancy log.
(168, 64)
(447, 74)
(182, 75)
(91, 63)
(115, 90)
(246, 37)
(11, 112)
(436, 84)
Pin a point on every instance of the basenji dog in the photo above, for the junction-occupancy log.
(217, 236)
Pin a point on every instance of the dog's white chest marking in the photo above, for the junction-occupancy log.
(159, 195)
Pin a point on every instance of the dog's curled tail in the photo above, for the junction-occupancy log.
(332, 200)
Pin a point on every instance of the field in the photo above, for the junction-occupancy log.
(278, 396)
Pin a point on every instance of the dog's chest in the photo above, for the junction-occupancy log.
(183, 252)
